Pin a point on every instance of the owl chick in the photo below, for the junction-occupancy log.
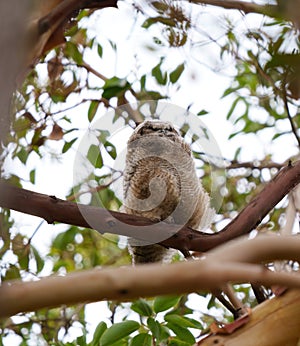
(160, 183)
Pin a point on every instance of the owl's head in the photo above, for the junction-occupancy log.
(159, 129)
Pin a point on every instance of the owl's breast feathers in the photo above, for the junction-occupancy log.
(160, 181)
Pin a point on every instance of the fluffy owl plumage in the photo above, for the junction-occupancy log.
(160, 183)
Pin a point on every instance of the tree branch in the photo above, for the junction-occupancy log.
(14, 42)
(182, 238)
(126, 283)
(275, 322)
(288, 113)
(46, 28)
(246, 7)
(253, 165)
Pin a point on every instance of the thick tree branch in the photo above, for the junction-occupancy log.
(47, 25)
(273, 323)
(245, 6)
(128, 283)
(53, 209)
(14, 49)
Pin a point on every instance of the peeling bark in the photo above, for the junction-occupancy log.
(272, 323)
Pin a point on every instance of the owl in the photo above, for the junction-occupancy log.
(160, 183)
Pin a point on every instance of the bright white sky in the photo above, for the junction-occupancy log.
(200, 87)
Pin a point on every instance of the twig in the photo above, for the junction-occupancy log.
(89, 68)
(134, 114)
(287, 109)
(93, 189)
(253, 165)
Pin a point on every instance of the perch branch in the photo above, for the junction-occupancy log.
(182, 238)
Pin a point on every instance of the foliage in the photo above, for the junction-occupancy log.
(65, 94)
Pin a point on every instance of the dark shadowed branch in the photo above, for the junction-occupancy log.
(244, 6)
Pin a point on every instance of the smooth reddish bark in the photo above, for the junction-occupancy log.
(53, 210)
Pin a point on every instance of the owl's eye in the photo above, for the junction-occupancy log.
(161, 130)
(156, 127)
(145, 130)
(141, 131)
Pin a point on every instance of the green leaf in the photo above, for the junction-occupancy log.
(73, 52)
(166, 21)
(163, 303)
(232, 108)
(82, 14)
(237, 153)
(57, 97)
(38, 259)
(102, 137)
(94, 156)
(21, 126)
(111, 149)
(284, 60)
(100, 329)
(32, 176)
(211, 302)
(143, 82)
(148, 22)
(12, 273)
(229, 91)
(182, 333)
(183, 321)
(154, 95)
(64, 238)
(142, 339)
(92, 110)
(160, 6)
(253, 127)
(37, 138)
(100, 50)
(160, 77)
(81, 340)
(158, 331)
(277, 135)
(141, 307)
(68, 145)
(115, 82)
(72, 31)
(22, 155)
(234, 134)
(115, 87)
(113, 45)
(175, 75)
(117, 332)
(202, 112)
(155, 327)
(178, 342)
(23, 258)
